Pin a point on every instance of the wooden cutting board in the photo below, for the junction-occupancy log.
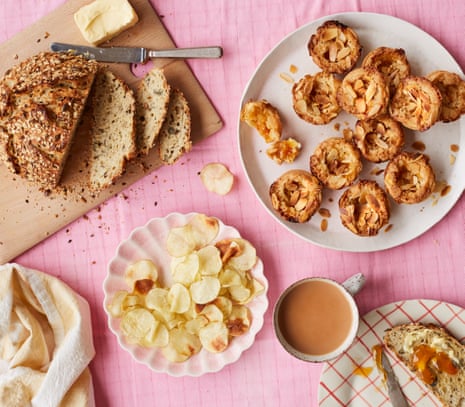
(27, 216)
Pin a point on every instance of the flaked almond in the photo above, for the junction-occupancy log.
(295, 196)
(360, 105)
(344, 52)
(301, 204)
(285, 77)
(330, 34)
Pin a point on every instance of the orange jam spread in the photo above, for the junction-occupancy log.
(363, 371)
(427, 361)
(377, 351)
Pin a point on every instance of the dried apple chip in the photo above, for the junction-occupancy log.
(182, 345)
(209, 260)
(157, 299)
(224, 304)
(228, 248)
(158, 337)
(193, 326)
(170, 319)
(137, 324)
(230, 277)
(256, 288)
(239, 321)
(217, 178)
(141, 270)
(116, 306)
(212, 313)
(132, 301)
(214, 337)
(246, 258)
(185, 271)
(179, 241)
(205, 290)
(239, 293)
(179, 298)
(203, 229)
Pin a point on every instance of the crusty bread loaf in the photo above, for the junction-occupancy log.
(41, 103)
(175, 134)
(404, 341)
(152, 98)
(113, 133)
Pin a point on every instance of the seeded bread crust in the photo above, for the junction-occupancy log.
(175, 134)
(152, 98)
(449, 389)
(113, 132)
(41, 102)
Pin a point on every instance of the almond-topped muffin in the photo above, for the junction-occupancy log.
(334, 47)
(336, 163)
(378, 139)
(452, 89)
(296, 195)
(314, 98)
(364, 208)
(364, 93)
(416, 103)
(391, 62)
(409, 178)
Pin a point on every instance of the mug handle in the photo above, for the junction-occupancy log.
(354, 284)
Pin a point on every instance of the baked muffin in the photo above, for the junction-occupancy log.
(391, 62)
(296, 195)
(416, 103)
(364, 93)
(336, 163)
(314, 98)
(264, 117)
(334, 47)
(409, 178)
(452, 89)
(364, 208)
(378, 139)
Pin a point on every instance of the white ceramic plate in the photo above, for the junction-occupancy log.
(148, 242)
(341, 385)
(425, 54)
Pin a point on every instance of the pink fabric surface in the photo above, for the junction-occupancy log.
(431, 266)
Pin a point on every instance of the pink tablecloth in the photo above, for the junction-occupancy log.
(432, 266)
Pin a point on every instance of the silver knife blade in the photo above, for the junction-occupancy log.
(135, 54)
(394, 390)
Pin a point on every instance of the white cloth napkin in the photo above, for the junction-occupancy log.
(45, 341)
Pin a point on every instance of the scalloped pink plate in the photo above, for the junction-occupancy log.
(149, 242)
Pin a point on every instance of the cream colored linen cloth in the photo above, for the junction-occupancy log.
(45, 341)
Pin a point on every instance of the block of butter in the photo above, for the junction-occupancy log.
(102, 20)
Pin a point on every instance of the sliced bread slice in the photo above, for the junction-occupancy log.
(113, 133)
(152, 97)
(175, 135)
(434, 355)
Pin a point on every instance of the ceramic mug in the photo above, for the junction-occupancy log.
(316, 319)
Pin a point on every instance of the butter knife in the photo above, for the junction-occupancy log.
(394, 390)
(136, 55)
